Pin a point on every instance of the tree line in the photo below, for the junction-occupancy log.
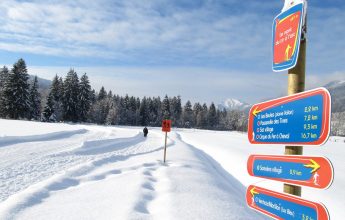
(19, 99)
(73, 100)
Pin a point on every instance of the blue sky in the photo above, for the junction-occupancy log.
(203, 50)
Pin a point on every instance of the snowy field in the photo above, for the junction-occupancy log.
(65, 171)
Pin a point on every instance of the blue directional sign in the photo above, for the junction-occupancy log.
(283, 206)
(309, 171)
(303, 118)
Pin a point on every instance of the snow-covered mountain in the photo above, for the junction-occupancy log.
(337, 90)
(43, 83)
(234, 104)
(335, 84)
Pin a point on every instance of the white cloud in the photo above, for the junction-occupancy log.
(126, 27)
(160, 32)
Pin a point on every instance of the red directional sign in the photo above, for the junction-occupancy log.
(166, 125)
(286, 38)
(299, 119)
(314, 172)
(283, 206)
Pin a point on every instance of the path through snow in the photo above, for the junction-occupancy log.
(117, 175)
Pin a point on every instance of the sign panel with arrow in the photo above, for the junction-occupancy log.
(314, 172)
(284, 206)
(299, 119)
(286, 37)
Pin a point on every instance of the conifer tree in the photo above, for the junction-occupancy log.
(197, 114)
(204, 122)
(3, 79)
(187, 118)
(84, 97)
(212, 116)
(176, 110)
(93, 96)
(143, 113)
(112, 117)
(132, 109)
(102, 94)
(71, 97)
(16, 92)
(110, 94)
(48, 114)
(166, 108)
(56, 93)
(137, 112)
(35, 100)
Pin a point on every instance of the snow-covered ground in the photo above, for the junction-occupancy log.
(65, 171)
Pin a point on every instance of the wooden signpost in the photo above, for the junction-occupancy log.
(166, 127)
(295, 120)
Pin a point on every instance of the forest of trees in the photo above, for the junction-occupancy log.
(73, 100)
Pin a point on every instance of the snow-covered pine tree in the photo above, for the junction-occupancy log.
(3, 78)
(212, 116)
(70, 97)
(204, 113)
(232, 120)
(176, 110)
(137, 112)
(93, 96)
(132, 109)
(143, 112)
(157, 103)
(166, 108)
(121, 110)
(58, 100)
(221, 115)
(112, 118)
(35, 100)
(151, 111)
(125, 110)
(84, 97)
(187, 115)
(110, 94)
(16, 92)
(104, 108)
(102, 94)
(53, 110)
(48, 114)
(197, 109)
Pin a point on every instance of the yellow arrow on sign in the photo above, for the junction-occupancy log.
(315, 166)
(253, 192)
(287, 52)
(256, 111)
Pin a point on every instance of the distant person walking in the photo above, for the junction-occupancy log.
(146, 131)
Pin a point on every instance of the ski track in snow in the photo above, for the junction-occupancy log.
(34, 163)
(78, 163)
(89, 159)
(10, 140)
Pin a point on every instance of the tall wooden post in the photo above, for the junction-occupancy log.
(165, 146)
(296, 84)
